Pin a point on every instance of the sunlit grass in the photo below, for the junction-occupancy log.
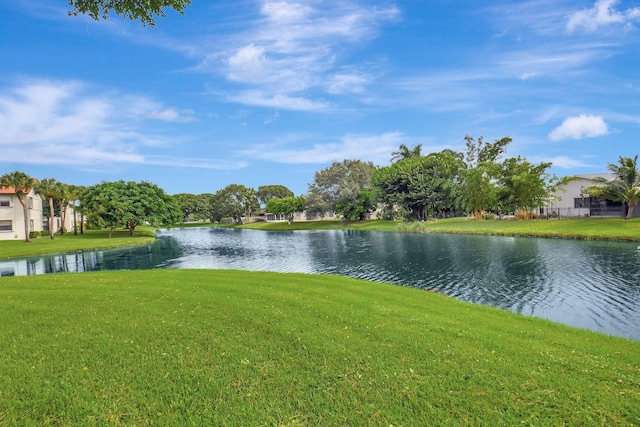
(585, 228)
(184, 347)
(68, 242)
(324, 225)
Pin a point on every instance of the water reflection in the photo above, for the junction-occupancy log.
(155, 255)
(593, 285)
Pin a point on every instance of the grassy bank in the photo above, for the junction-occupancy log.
(585, 228)
(68, 242)
(236, 348)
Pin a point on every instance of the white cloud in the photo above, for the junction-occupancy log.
(199, 163)
(374, 148)
(527, 76)
(278, 101)
(564, 162)
(544, 17)
(578, 127)
(602, 13)
(172, 115)
(285, 12)
(347, 82)
(299, 46)
(247, 63)
(70, 123)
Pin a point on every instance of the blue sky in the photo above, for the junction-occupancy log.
(269, 92)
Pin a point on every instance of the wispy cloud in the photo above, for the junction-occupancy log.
(579, 127)
(374, 148)
(277, 101)
(565, 162)
(293, 48)
(542, 17)
(69, 122)
(602, 14)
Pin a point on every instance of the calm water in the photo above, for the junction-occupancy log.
(593, 285)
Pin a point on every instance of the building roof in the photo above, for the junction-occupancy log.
(592, 176)
(7, 190)
(11, 190)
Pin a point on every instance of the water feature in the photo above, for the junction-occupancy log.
(586, 284)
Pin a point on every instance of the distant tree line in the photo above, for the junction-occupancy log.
(479, 182)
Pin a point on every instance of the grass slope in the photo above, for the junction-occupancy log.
(585, 228)
(187, 347)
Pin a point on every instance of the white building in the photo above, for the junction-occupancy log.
(572, 199)
(12, 214)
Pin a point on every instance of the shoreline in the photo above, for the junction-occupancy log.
(604, 229)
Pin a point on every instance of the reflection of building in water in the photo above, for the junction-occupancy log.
(21, 267)
(75, 262)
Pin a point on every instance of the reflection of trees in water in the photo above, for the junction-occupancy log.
(504, 272)
(140, 257)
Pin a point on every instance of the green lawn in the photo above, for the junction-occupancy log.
(91, 239)
(585, 228)
(198, 347)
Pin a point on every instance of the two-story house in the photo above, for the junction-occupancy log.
(12, 215)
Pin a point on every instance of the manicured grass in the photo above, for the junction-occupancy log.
(324, 225)
(68, 242)
(198, 347)
(585, 228)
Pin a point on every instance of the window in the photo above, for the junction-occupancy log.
(581, 202)
(5, 202)
(5, 225)
(31, 224)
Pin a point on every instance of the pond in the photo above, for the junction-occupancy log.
(586, 284)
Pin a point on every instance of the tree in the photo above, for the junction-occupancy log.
(421, 186)
(118, 204)
(478, 189)
(22, 184)
(195, 207)
(144, 11)
(104, 205)
(63, 200)
(234, 201)
(49, 189)
(286, 206)
(316, 206)
(405, 152)
(523, 186)
(625, 187)
(267, 192)
(358, 210)
(75, 193)
(339, 183)
(188, 205)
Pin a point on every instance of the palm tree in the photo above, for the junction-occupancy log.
(22, 184)
(625, 187)
(75, 194)
(405, 152)
(48, 188)
(63, 199)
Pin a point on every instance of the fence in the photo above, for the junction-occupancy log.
(594, 211)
